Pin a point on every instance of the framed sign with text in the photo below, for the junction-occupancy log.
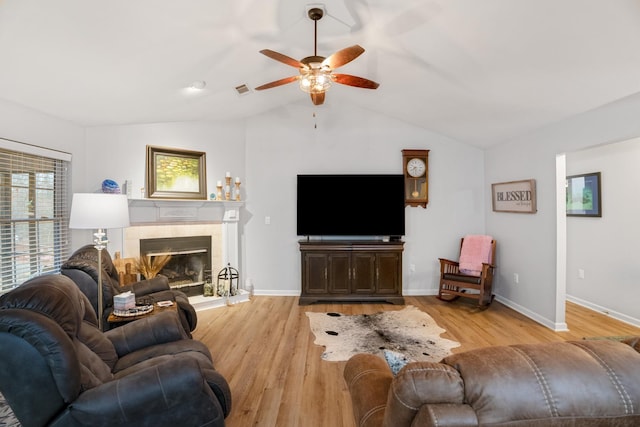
(514, 196)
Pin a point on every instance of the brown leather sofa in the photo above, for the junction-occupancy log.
(579, 383)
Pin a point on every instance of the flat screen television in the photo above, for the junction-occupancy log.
(350, 205)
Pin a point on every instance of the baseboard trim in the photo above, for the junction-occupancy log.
(554, 326)
(276, 293)
(606, 311)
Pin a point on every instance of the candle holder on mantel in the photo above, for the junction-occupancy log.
(219, 194)
(237, 183)
(227, 189)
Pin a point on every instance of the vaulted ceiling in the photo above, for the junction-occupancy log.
(479, 71)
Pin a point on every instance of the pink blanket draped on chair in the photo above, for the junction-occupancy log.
(476, 249)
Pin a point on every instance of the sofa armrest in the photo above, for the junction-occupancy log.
(422, 383)
(220, 388)
(152, 330)
(446, 414)
(148, 286)
(148, 397)
(368, 378)
(633, 342)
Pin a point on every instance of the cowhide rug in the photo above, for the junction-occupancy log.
(408, 331)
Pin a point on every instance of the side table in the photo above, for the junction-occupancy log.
(120, 320)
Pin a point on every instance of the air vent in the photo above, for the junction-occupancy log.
(242, 89)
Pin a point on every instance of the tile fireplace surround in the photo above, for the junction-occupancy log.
(151, 219)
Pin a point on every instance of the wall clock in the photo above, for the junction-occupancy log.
(415, 167)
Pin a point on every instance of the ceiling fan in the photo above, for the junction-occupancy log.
(316, 72)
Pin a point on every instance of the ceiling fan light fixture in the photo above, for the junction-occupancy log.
(316, 72)
(315, 80)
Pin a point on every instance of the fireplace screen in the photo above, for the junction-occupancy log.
(190, 260)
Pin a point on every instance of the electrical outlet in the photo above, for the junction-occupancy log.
(516, 278)
(267, 220)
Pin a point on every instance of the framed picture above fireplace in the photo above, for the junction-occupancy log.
(176, 174)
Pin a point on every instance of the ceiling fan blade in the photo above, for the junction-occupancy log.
(317, 98)
(283, 58)
(356, 81)
(344, 56)
(278, 83)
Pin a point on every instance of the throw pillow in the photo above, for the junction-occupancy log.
(395, 360)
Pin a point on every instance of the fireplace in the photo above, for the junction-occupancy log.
(218, 221)
(189, 263)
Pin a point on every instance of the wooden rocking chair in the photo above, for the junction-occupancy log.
(476, 284)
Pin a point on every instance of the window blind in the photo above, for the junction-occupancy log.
(34, 215)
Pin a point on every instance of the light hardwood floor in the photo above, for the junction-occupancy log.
(265, 349)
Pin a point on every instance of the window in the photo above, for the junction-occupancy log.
(34, 215)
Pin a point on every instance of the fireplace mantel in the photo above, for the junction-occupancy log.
(156, 211)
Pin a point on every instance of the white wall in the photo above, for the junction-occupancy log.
(528, 242)
(32, 127)
(28, 126)
(606, 248)
(119, 153)
(525, 242)
(285, 142)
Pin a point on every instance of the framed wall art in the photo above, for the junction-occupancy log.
(176, 174)
(584, 197)
(514, 196)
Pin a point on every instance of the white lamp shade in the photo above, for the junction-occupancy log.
(99, 210)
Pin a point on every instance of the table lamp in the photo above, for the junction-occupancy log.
(99, 211)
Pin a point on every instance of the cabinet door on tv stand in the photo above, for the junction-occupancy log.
(389, 272)
(315, 272)
(339, 266)
(364, 273)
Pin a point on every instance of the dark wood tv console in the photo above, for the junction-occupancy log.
(351, 271)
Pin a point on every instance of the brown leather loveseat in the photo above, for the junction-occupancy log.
(578, 383)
